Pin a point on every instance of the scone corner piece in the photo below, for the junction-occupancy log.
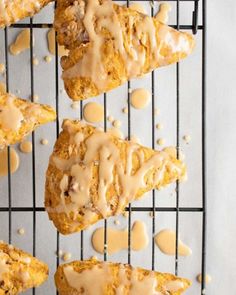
(96, 277)
(19, 270)
(19, 117)
(84, 158)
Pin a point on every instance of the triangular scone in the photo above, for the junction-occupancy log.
(13, 11)
(104, 278)
(19, 117)
(94, 175)
(19, 270)
(110, 44)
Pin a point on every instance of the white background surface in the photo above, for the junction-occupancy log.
(221, 159)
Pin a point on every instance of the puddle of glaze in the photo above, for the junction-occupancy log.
(15, 161)
(26, 147)
(21, 43)
(93, 112)
(165, 240)
(51, 44)
(140, 98)
(117, 240)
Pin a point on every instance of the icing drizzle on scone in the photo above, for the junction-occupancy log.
(119, 179)
(106, 31)
(123, 279)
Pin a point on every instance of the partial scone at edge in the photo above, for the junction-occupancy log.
(94, 175)
(19, 117)
(146, 44)
(105, 278)
(19, 270)
(13, 11)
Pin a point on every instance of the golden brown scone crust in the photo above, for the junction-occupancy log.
(16, 10)
(31, 119)
(68, 223)
(162, 278)
(72, 34)
(23, 270)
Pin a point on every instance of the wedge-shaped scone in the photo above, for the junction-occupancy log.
(19, 270)
(19, 117)
(13, 11)
(93, 277)
(94, 175)
(110, 44)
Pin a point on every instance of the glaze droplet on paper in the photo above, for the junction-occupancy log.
(51, 45)
(21, 43)
(165, 240)
(140, 98)
(26, 147)
(15, 161)
(117, 240)
(93, 112)
(207, 278)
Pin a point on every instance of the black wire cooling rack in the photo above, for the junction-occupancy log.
(194, 27)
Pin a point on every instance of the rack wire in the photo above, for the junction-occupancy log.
(194, 27)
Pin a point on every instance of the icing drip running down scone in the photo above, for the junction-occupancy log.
(13, 11)
(103, 278)
(94, 175)
(110, 44)
(19, 271)
(19, 117)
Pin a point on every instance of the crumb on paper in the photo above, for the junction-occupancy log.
(161, 141)
(66, 256)
(44, 141)
(21, 231)
(187, 138)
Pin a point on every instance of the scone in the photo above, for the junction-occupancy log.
(94, 175)
(106, 278)
(13, 11)
(19, 117)
(110, 44)
(19, 271)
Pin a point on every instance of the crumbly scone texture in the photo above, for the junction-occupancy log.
(79, 266)
(72, 34)
(22, 270)
(171, 169)
(34, 115)
(13, 11)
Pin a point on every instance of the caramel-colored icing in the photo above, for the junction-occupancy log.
(21, 43)
(166, 240)
(52, 45)
(14, 159)
(117, 240)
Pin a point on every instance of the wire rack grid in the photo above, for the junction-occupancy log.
(195, 28)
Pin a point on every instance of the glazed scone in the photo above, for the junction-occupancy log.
(19, 117)
(19, 270)
(13, 11)
(106, 278)
(109, 44)
(94, 175)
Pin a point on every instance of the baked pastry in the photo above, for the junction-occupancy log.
(103, 278)
(13, 11)
(19, 117)
(110, 44)
(19, 270)
(94, 175)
